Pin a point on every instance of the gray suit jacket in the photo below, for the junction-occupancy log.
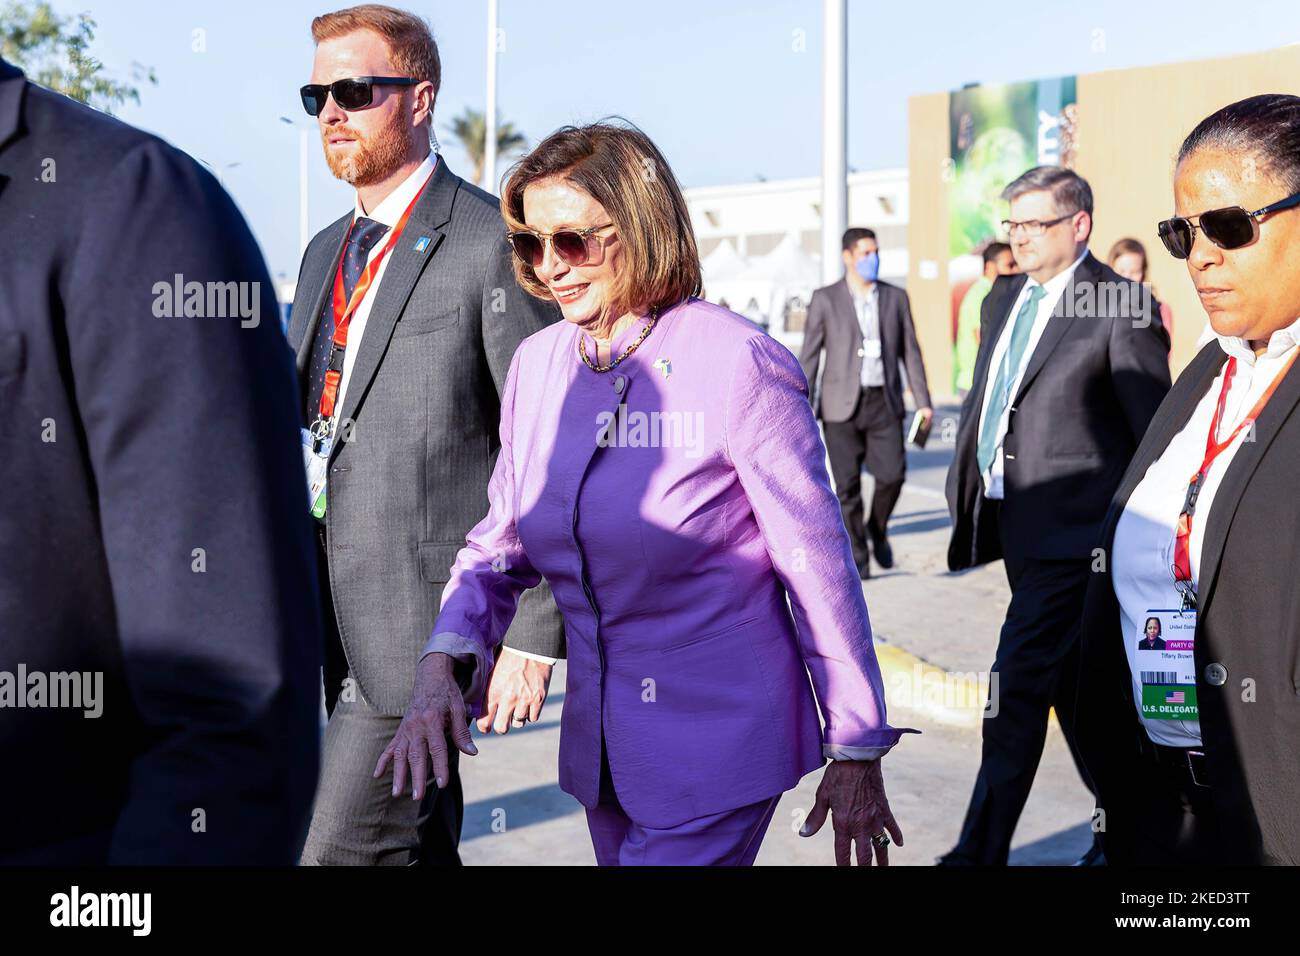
(833, 326)
(424, 402)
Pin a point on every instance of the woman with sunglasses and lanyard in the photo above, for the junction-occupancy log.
(1195, 747)
(661, 468)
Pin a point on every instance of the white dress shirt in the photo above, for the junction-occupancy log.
(1143, 550)
(387, 212)
(1053, 288)
(867, 307)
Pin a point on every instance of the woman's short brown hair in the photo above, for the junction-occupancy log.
(618, 166)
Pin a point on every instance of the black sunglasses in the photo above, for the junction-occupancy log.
(355, 93)
(1228, 228)
(571, 245)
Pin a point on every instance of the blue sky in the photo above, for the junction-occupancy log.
(727, 88)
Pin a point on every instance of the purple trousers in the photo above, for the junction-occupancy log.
(730, 838)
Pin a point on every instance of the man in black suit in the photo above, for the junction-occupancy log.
(157, 599)
(1072, 364)
(865, 327)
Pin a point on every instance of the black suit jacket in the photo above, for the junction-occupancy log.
(1249, 623)
(154, 513)
(833, 326)
(1094, 380)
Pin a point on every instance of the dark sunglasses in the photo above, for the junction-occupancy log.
(571, 245)
(1228, 228)
(355, 93)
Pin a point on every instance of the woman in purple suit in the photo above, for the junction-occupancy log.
(661, 468)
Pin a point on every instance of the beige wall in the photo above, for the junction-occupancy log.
(927, 236)
(1131, 123)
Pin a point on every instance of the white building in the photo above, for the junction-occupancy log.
(761, 248)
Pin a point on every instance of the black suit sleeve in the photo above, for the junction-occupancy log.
(814, 340)
(510, 315)
(1139, 363)
(190, 428)
(912, 356)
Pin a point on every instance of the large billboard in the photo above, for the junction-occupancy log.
(996, 133)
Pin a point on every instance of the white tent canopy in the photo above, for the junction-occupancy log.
(723, 264)
(788, 265)
(761, 288)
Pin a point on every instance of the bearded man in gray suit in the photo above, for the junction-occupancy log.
(405, 318)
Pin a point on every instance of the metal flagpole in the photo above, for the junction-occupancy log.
(835, 188)
(490, 111)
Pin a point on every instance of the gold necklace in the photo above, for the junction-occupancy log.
(582, 346)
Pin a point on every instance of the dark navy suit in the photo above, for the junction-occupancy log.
(153, 525)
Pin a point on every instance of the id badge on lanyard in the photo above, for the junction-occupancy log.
(1166, 664)
(315, 459)
(319, 438)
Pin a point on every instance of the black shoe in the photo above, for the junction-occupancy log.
(1095, 855)
(952, 859)
(884, 553)
(864, 568)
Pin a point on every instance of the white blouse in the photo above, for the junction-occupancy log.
(1142, 556)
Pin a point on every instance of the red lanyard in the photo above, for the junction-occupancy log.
(343, 312)
(1213, 448)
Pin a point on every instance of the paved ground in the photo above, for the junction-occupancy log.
(515, 813)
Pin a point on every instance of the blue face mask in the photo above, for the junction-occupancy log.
(868, 266)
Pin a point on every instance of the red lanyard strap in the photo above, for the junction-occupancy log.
(343, 312)
(1213, 448)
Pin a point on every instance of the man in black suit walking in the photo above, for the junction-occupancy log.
(1072, 364)
(865, 327)
(158, 613)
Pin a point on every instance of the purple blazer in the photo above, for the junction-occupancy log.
(734, 580)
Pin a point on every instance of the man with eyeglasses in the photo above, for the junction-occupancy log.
(1072, 364)
(405, 319)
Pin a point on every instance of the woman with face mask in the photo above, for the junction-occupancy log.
(1194, 744)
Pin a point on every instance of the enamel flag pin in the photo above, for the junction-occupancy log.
(422, 243)
(664, 365)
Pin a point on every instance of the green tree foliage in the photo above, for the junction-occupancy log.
(54, 51)
(470, 129)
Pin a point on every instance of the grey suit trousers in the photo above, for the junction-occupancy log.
(356, 820)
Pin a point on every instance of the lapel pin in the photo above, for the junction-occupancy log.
(664, 365)
(422, 243)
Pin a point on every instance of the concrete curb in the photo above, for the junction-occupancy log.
(950, 698)
(912, 684)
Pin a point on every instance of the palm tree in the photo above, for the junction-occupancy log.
(468, 128)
